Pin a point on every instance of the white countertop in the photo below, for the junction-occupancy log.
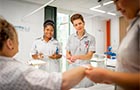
(104, 63)
(97, 87)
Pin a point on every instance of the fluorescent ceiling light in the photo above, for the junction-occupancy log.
(97, 10)
(107, 3)
(101, 11)
(39, 8)
(104, 4)
(96, 7)
(111, 13)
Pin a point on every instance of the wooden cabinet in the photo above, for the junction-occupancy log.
(123, 23)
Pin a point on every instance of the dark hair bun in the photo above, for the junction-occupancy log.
(49, 22)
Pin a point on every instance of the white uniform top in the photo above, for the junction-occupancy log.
(128, 57)
(81, 46)
(47, 48)
(17, 76)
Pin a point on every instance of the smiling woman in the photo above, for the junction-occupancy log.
(47, 49)
(127, 75)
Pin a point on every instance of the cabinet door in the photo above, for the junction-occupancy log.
(123, 26)
(51, 14)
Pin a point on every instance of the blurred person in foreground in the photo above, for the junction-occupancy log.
(17, 76)
(127, 76)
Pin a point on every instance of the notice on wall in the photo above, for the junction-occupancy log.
(22, 28)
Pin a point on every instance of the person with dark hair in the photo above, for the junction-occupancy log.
(48, 49)
(15, 75)
(49, 22)
(127, 76)
(80, 47)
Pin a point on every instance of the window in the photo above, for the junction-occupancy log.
(63, 31)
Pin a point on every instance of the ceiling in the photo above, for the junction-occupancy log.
(81, 6)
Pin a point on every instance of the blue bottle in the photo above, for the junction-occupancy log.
(57, 51)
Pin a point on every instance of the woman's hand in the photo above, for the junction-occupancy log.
(74, 58)
(69, 58)
(55, 56)
(40, 56)
(98, 75)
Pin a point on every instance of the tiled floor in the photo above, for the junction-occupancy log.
(98, 87)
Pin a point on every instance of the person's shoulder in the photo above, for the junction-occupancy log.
(139, 21)
(54, 40)
(90, 36)
(37, 40)
(72, 35)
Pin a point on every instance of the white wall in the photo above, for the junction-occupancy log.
(115, 33)
(14, 12)
(96, 27)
